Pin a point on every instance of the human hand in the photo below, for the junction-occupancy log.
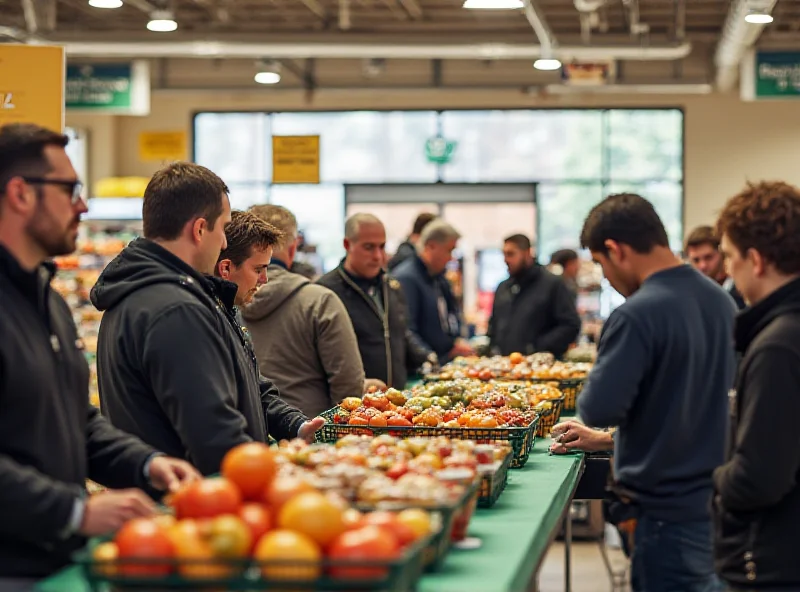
(309, 428)
(461, 348)
(572, 435)
(169, 474)
(372, 385)
(106, 512)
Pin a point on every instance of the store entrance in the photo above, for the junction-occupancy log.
(484, 214)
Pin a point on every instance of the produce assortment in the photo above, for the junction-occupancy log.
(259, 524)
(541, 366)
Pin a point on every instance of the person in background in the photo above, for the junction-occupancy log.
(304, 268)
(757, 501)
(664, 366)
(702, 250)
(408, 248)
(375, 304)
(533, 309)
(170, 366)
(52, 438)
(433, 313)
(570, 265)
(302, 335)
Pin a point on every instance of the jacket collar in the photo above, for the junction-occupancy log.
(751, 321)
(424, 268)
(225, 292)
(278, 263)
(378, 279)
(528, 275)
(31, 284)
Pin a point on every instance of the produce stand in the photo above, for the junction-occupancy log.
(515, 533)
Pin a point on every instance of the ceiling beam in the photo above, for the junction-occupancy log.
(217, 8)
(317, 8)
(413, 8)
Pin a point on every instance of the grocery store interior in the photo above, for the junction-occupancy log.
(431, 106)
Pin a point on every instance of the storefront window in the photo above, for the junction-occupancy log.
(236, 146)
(645, 144)
(563, 207)
(367, 146)
(666, 197)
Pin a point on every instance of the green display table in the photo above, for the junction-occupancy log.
(515, 533)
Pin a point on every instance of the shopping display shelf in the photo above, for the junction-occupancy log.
(514, 534)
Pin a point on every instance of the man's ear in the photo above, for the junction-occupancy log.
(16, 198)
(615, 251)
(199, 227)
(346, 244)
(758, 262)
(224, 269)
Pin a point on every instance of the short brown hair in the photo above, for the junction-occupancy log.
(246, 232)
(422, 221)
(177, 194)
(522, 242)
(702, 235)
(280, 218)
(765, 217)
(625, 218)
(22, 151)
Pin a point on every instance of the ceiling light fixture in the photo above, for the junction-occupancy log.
(493, 4)
(105, 3)
(162, 21)
(547, 64)
(758, 17)
(269, 72)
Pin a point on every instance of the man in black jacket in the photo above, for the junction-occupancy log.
(533, 310)
(757, 501)
(170, 366)
(52, 439)
(375, 304)
(408, 248)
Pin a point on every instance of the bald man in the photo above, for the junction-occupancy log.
(376, 304)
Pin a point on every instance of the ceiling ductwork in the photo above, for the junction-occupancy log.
(481, 51)
(737, 37)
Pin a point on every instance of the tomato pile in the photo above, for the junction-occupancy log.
(254, 511)
(512, 367)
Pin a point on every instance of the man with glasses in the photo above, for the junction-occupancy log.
(52, 439)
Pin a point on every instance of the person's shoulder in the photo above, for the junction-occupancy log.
(331, 280)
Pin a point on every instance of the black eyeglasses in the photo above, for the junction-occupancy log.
(74, 188)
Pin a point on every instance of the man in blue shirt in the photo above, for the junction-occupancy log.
(665, 366)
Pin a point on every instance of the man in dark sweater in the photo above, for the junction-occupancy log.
(533, 309)
(664, 368)
(757, 501)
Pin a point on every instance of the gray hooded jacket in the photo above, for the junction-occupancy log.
(304, 342)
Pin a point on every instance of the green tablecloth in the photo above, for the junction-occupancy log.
(515, 532)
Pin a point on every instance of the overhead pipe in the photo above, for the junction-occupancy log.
(544, 34)
(474, 51)
(737, 37)
(668, 88)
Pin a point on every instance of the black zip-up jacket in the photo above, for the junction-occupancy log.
(389, 351)
(51, 438)
(171, 368)
(757, 501)
(533, 312)
(405, 250)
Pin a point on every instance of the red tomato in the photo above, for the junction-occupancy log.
(379, 421)
(377, 401)
(399, 420)
(357, 420)
(251, 467)
(397, 470)
(389, 522)
(370, 543)
(472, 373)
(485, 375)
(258, 520)
(208, 498)
(141, 538)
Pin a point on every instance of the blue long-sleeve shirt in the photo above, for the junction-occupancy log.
(664, 367)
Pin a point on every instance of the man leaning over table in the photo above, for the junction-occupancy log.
(664, 368)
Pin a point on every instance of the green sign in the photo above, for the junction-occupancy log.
(439, 151)
(110, 88)
(777, 75)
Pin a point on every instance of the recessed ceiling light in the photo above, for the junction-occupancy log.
(756, 17)
(267, 78)
(493, 4)
(162, 21)
(547, 64)
(105, 3)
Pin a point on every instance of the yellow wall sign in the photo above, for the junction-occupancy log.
(295, 159)
(162, 146)
(32, 85)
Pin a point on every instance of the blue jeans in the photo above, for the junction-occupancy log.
(673, 557)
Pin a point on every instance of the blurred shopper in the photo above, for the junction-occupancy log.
(169, 365)
(52, 439)
(433, 312)
(376, 304)
(570, 265)
(757, 501)
(302, 335)
(664, 367)
(702, 249)
(533, 309)
(408, 248)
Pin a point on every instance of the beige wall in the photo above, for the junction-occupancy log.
(727, 141)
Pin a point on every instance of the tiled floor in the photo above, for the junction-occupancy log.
(588, 570)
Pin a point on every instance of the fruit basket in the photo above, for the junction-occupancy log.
(329, 575)
(571, 387)
(521, 439)
(549, 417)
(493, 484)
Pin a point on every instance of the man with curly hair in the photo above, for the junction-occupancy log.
(757, 495)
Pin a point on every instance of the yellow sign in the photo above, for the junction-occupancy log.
(162, 146)
(32, 85)
(295, 159)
